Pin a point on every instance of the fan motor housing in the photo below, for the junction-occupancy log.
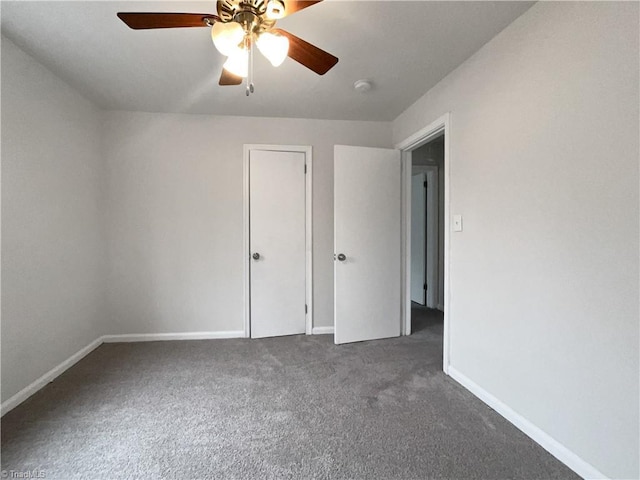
(227, 9)
(249, 13)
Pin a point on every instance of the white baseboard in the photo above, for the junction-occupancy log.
(555, 448)
(155, 337)
(322, 331)
(48, 377)
(52, 374)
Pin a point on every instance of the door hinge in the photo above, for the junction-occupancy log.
(305, 168)
(305, 308)
(425, 184)
(425, 286)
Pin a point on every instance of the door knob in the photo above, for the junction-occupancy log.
(342, 257)
(256, 256)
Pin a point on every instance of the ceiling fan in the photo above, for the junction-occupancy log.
(239, 25)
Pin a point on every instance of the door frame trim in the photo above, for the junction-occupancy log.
(307, 150)
(419, 138)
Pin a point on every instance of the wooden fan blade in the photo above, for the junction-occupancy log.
(308, 55)
(145, 20)
(293, 6)
(228, 78)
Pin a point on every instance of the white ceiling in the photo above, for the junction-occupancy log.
(404, 48)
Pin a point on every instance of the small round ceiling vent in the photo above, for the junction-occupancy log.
(363, 86)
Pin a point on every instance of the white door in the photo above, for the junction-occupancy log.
(418, 237)
(277, 243)
(367, 243)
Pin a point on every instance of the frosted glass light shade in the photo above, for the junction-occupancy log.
(226, 37)
(274, 47)
(238, 63)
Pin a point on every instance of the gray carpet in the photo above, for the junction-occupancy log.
(289, 407)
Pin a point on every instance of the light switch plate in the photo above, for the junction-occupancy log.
(457, 223)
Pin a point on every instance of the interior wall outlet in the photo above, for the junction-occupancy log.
(457, 223)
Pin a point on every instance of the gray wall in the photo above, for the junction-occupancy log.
(175, 214)
(544, 169)
(53, 250)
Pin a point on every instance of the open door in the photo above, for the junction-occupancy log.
(367, 269)
(419, 238)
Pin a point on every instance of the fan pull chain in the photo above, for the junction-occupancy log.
(248, 80)
(251, 66)
(249, 46)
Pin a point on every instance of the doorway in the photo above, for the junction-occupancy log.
(277, 240)
(427, 238)
(426, 218)
(431, 141)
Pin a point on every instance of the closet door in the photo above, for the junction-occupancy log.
(277, 243)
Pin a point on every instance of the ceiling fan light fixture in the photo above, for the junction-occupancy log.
(226, 37)
(275, 9)
(237, 26)
(238, 63)
(274, 47)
